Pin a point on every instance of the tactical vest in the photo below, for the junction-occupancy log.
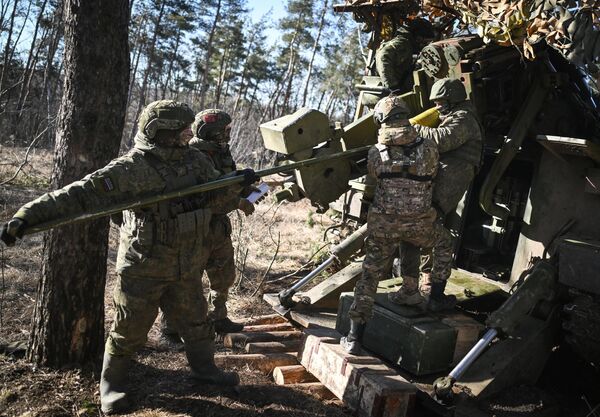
(182, 218)
(404, 178)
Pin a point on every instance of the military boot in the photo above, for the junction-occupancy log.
(201, 357)
(438, 301)
(224, 326)
(351, 343)
(170, 341)
(408, 294)
(113, 395)
(425, 285)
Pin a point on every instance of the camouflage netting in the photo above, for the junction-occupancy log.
(569, 26)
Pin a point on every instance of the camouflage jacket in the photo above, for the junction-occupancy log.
(459, 135)
(223, 161)
(404, 176)
(160, 241)
(394, 62)
(220, 156)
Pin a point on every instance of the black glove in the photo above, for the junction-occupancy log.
(250, 176)
(13, 229)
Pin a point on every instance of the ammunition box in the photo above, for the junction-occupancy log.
(418, 343)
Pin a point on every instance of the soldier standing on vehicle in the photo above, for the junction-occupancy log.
(211, 130)
(161, 258)
(394, 57)
(460, 140)
(404, 165)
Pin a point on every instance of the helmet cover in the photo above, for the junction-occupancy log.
(211, 124)
(164, 115)
(391, 110)
(451, 90)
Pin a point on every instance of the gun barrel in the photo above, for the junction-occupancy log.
(376, 89)
(352, 244)
(184, 192)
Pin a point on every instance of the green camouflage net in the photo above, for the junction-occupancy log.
(570, 26)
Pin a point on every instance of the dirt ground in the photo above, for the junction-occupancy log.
(276, 241)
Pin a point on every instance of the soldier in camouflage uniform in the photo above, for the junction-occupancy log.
(404, 165)
(460, 139)
(161, 257)
(211, 130)
(211, 136)
(394, 57)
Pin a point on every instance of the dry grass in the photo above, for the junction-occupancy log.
(160, 383)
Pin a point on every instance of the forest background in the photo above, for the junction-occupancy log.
(207, 53)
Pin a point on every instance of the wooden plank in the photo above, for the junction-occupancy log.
(266, 319)
(261, 362)
(314, 319)
(292, 374)
(272, 300)
(315, 389)
(276, 327)
(271, 347)
(234, 340)
(327, 293)
(364, 383)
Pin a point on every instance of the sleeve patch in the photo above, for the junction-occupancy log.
(104, 184)
(108, 184)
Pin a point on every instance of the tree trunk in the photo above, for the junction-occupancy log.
(4, 6)
(223, 67)
(68, 322)
(5, 67)
(171, 61)
(314, 53)
(31, 61)
(50, 89)
(136, 53)
(243, 90)
(150, 59)
(208, 56)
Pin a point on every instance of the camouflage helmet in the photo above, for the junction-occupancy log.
(164, 115)
(209, 123)
(451, 90)
(390, 109)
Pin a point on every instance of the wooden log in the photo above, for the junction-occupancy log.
(292, 374)
(316, 389)
(364, 383)
(232, 340)
(277, 327)
(273, 347)
(266, 319)
(261, 362)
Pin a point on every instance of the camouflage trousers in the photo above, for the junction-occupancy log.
(450, 185)
(220, 268)
(137, 300)
(381, 247)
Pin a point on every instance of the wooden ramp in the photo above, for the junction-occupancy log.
(364, 383)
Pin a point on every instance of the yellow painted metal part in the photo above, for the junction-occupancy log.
(429, 118)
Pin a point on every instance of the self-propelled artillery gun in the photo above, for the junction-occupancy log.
(527, 233)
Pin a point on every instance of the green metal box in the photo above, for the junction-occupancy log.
(418, 343)
(296, 132)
